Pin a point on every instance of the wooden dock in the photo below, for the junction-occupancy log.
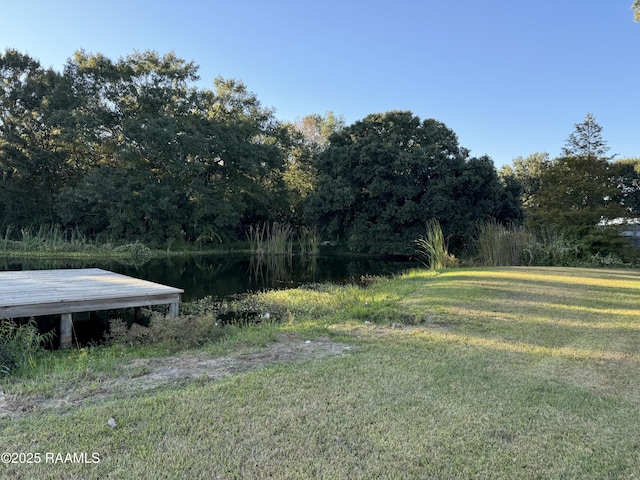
(31, 293)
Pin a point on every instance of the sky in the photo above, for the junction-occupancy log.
(510, 78)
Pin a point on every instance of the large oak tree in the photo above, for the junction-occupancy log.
(383, 177)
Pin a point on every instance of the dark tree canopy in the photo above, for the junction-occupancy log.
(32, 150)
(383, 177)
(131, 149)
(627, 175)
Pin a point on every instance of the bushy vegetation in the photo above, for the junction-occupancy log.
(382, 178)
(202, 322)
(500, 245)
(133, 150)
(20, 346)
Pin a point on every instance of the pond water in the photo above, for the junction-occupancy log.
(224, 275)
(209, 275)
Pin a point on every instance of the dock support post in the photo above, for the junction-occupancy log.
(66, 330)
(174, 309)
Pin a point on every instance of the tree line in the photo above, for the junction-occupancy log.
(580, 192)
(133, 150)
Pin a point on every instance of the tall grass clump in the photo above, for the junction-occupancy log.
(511, 245)
(500, 245)
(47, 238)
(4, 242)
(20, 345)
(274, 239)
(433, 247)
(309, 240)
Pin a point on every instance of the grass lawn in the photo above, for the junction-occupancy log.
(468, 373)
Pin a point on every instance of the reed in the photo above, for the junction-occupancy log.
(49, 238)
(274, 239)
(309, 240)
(511, 245)
(280, 239)
(7, 238)
(500, 245)
(433, 246)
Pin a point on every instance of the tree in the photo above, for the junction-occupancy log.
(316, 129)
(576, 192)
(586, 140)
(579, 189)
(636, 10)
(627, 174)
(527, 171)
(383, 177)
(309, 138)
(32, 150)
(164, 160)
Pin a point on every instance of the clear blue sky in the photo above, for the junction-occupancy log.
(509, 77)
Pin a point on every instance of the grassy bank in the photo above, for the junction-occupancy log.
(490, 373)
(55, 242)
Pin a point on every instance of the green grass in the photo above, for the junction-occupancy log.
(493, 373)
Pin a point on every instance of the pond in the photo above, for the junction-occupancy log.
(209, 275)
(223, 275)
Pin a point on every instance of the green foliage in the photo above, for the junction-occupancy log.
(382, 178)
(20, 345)
(527, 172)
(309, 240)
(202, 322)
(433, 247)
(308, 137)
(278, 239)
(33, 164)
(586, 140)
(500, 245)
(131, 149)
(576, 192)
(572, 195)
(596, 246)
(270, 239)
(134, 250)
(627, 174)
(636, 10)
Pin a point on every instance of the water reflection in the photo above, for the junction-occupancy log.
(223, 275)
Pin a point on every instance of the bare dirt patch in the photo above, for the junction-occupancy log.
(150, 373)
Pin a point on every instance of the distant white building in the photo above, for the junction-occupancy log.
(631, 228)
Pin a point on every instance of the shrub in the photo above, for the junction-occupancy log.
(134, 250)
(20, 345)
(201, 322)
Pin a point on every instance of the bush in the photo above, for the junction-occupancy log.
(19, 345)
(134, 250)
(201, 322)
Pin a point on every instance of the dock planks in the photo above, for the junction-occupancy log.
(64, 292)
